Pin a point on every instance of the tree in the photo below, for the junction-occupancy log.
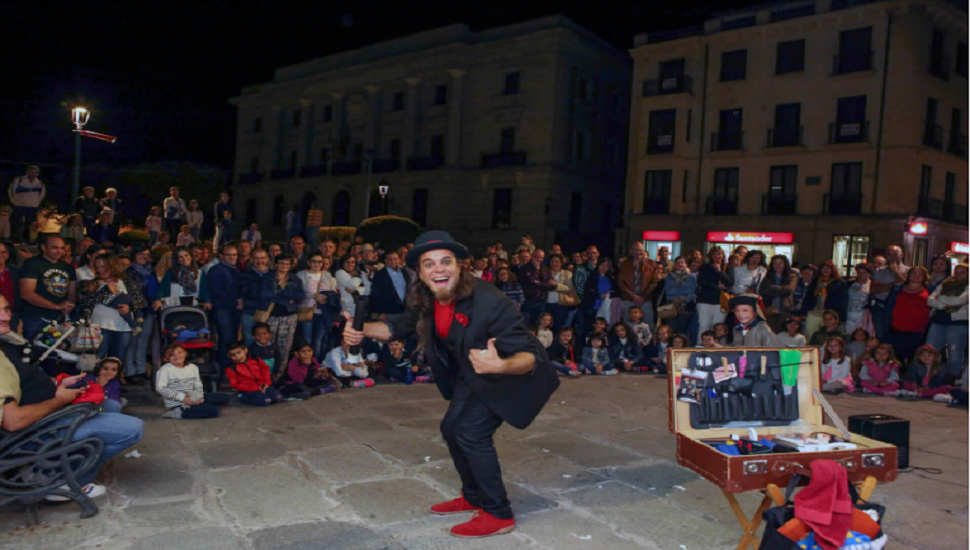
(390, 231)
(147, 185)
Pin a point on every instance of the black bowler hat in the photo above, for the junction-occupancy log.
(434, 240)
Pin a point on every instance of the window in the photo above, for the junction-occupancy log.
(394, 150)
(683, 189)
(358, 151)
(671, 77)
(850, 120)
(438, 146)
(781, 193)
(956, 145)
(656, 200)
(575, 210)
(845, 196)
(441, 94)
(925, 188)
(512, 81)
(734, 65)
(581, 91)
(580, 146)
(933, 132)
(254, 165)
(690, 113)
(849, 251)
(327, 113)
(502, 209)
(293, 160)
(920, 247)
(961, 63)
(257, 125)
(341, 209)
(397, 101)
(662, 127)
(419, 207)
(949, 196)
(725, 191)
(279, 208)
(855, 51)
(788, 127)
(250, 211)
(939, 65)
(790, 57)
(297, 116)
(729, 135)
(508, 140)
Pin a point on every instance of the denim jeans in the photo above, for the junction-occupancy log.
(115, 343)
(226, 325)
(33, 325)
(247, 328)
(117, 431)
(532, 309)
(111, 406)
(20, 221)
(954, 339)
(271, 396)
(881, 321)
(209, 408)
(136, 358)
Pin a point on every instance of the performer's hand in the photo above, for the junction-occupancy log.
(487, 361)
(351, 336)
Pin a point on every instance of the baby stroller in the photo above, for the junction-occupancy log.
(189, 326)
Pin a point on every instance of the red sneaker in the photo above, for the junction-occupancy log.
(456, 506)
(483, 524)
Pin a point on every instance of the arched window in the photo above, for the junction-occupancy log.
(341, 209)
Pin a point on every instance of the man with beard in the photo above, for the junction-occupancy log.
(484, 361)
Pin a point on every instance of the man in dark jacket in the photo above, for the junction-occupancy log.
(88, 206)
(223, 280)
(484, 360)
(389, 287)
(534, 278)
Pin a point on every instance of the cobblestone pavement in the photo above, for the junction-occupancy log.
(358, 470)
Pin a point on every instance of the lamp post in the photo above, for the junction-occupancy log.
(79, 116)
(383, 188)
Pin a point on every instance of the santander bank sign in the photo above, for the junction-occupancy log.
(741, 237)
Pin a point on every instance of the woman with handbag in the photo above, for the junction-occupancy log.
(285, 292)
(111, 280)
(560, 301)
(776, 289)
(680, 288)
(319, 287)
(711, 281)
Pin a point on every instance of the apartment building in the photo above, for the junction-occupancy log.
(489, 135)
(816, 129)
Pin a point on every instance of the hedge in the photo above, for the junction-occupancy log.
(338, 233)
(390, 231)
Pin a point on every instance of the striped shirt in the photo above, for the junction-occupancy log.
(174, 383)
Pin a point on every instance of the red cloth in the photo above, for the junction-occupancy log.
(911, 313)
(825, 505)
(443, 317)
(249, 376)
(6, 286)
(94, 393)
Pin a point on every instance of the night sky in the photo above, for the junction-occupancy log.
(158, 74)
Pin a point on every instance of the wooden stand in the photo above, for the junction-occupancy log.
(774, 496)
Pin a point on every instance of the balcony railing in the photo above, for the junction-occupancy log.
(416, 164)
(345, 168)
(785, 137)
(721, 207)
(940, 67)
(942, 210)
(380, 166)
(733, 141)
(957, 145)
(933, 135)
(841, 206)
(282, 174)
(776, 206)
(499, 160)
(666, 86)
(852, 62)
(656, 206)
(848, 132)
(250, 178)
(313, 171)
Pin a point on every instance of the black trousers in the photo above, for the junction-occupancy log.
(468, 428)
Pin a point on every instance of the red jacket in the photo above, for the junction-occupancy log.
(249, 376)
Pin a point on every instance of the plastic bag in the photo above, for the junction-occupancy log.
(796, 430)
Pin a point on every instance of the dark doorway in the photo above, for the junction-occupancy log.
(341, 209)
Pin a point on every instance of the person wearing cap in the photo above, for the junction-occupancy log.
(26, 193)
(751, 330)
(484, 361)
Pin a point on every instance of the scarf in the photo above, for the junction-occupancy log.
(953, 287)
(680, 276)
(145, 270)
(185, 278)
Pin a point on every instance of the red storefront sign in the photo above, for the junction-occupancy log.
(918, 228)
(661, 235)
(960, 248)
(742, 237)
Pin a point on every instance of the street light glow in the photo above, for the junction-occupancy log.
(80, 115)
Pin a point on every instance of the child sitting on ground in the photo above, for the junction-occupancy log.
(348, 374)
(856, 348)
(596, 358)
(926, 376)
(265, 348)
(544, 330)
(656, 352)
(250, 378)
(723, 334)
(678, 341)
(836, 367)
(106, 376)
(109, 295)
(562, 354)
(599, 329)
(623, 348)
(304, 376)
(709, 340)
(638, 328)
(397, 363)
(830, 329)
(181, 386)
(881, 373)
(792, 337)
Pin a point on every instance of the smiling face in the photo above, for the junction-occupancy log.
(960, 272)
(439, 270)
(177, 357)
(262, 335)
(298, 245)
(830, 321)
(745, 314)
(238, 355)
(260, 260)
(184, 258)
(503, 275)
(108, 371)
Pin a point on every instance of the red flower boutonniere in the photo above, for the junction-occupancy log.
(462, 318)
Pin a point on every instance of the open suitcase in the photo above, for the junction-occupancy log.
(696, 424)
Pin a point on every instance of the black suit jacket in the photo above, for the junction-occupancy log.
(515, 398)
(383, 297)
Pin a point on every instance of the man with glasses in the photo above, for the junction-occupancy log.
(250, 282)
(223, 280)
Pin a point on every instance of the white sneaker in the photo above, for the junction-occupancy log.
(894, 393)
(92, 490)
(943, 398)
(866, 390)
(175, 413)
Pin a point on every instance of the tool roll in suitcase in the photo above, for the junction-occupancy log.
(715, 394)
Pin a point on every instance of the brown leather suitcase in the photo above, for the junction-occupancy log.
(738, 474)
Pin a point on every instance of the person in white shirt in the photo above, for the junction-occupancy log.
(253, 236)
(750, 273)
(344, 371)
(26, 193)
(317, 280)
(350, 282)
(174, 209)
(194, 218)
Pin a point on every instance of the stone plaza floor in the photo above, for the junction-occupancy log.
(357, 470)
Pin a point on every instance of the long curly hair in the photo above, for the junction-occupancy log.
(421, 299)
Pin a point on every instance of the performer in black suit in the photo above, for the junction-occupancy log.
(484, 360)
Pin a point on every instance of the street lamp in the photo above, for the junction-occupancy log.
(79, 116)
(383, 188)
